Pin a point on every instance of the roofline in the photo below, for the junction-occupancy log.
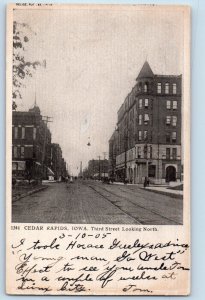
(24, 112)
(156, 75)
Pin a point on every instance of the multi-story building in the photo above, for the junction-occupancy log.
(97, 168)
(64, 172)
(113, 148)
(31, 140)
(32, 156)
(148, 135)
(58, 164)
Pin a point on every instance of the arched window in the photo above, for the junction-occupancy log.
(145, 87)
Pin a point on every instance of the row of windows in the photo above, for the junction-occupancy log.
(171, 136)
(20, 132)
(143, 87)
(171, 152)
(24, 151)
(171, 120)
(141, 103)
(146, 119)
(171, 104)
(144, 152)
(19, 152)
(146, 103)
(167, 88)
(142, 135)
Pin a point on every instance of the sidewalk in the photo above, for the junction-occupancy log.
(160, 189)
(165, 191)
(21, 192)
(49, 181)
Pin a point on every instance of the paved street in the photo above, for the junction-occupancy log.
(97, 203)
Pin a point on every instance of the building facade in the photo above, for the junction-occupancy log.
(147, 141)
(58, 164)
(31, 145)
(97, 169)
(113, 150)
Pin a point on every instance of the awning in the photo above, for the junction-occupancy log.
(50, 172)
(118, 168)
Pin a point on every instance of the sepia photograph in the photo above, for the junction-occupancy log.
(98, 150)
(97, 116)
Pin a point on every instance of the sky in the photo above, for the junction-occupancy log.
(93, 57)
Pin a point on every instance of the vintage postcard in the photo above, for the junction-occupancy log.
(98, 149)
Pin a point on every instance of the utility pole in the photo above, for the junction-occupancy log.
(46, 120)
(66, 169)
(99, 167)
(147, 159)
(126, 148)
(104, 153)
(93, 169)
(81, 169)
(158, 141)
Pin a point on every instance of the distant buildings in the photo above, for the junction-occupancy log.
(97, 168)
(33, 154)
(113, 151)
(147, 140)
(58, 164)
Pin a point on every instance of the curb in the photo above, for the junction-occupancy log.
(178, 196)
(29, 193)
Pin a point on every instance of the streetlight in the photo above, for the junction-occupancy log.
(88, 144)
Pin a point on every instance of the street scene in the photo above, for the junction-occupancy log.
(92, 202)
(97, 129)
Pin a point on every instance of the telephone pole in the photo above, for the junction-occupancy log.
(46, 120)
(99, 167)
(104, 153)
(81, 169)
(126, 148)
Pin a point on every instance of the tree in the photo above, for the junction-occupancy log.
(22, 68)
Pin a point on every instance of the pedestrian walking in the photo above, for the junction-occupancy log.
(145, 182)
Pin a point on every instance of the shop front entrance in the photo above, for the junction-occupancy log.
(170, 174)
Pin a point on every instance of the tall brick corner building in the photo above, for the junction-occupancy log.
(147, 140)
